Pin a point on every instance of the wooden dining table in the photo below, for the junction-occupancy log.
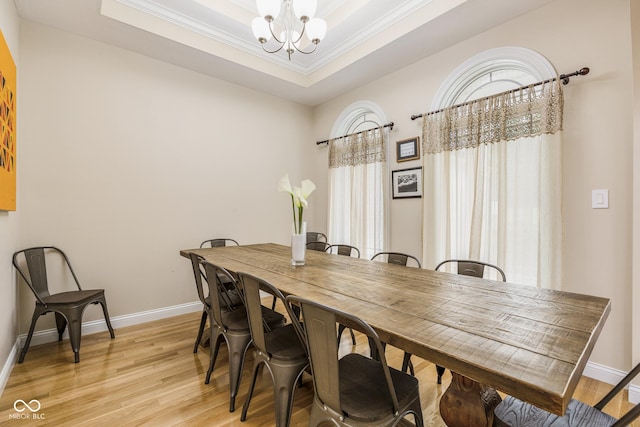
(530, 343)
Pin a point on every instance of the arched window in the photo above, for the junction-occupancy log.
(358, 185)
(497, 202)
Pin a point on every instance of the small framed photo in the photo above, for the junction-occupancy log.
(408, 149)
(406, 183)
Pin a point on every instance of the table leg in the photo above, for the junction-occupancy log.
(468, 403)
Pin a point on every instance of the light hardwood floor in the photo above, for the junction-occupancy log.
(148, 375)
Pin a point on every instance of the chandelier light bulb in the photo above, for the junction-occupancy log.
(316, 30)
(260, 28)
(268, 8)
(304, 9)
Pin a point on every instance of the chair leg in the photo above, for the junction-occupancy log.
(103, 303)
(203, 322)
(61, 324)
(285, 378)
(440, 371)
(341, 329)
(407, 365)
(245, 408)
(238, 346)
(27, 343)
(214, 353)
(75, 333)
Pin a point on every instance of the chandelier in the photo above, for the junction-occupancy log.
(295, 22)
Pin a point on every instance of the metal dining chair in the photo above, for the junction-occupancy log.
(473, 268)
(68, 306)
(316, 236)
(397, 258)
(216, 243)
(318, 246)
(353, 390)
(342, 249)
(279, 350)
(229, 324)
(227, 293)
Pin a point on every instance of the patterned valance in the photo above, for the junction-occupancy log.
(529, 111)
(358, 149)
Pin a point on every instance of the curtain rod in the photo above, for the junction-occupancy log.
(563, 77)
(388, 125)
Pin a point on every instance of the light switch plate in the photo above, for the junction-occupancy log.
(600, 199)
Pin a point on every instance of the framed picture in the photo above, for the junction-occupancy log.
(406, 183)
(8, 153)
(407, 149)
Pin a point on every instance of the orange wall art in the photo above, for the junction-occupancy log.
(7, 128)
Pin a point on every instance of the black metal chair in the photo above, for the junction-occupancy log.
(318, 246)
(402, 259)
(353, 390)
(473, 268)
(315, 236)
(228, 323)
(68, 306)
(342, 249)
(226, 290)
(512, 412)
(231, 326)
(216, 243)
(398, 258)
(279, 350)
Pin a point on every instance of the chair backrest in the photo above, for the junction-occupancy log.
(215, 243)
(319, 327)
(222, 293)
(216, 288)
(198, 275)
(318, 246)
(472, 268)
(397, 258)
(315, 236)
(250, 287)
(343, 249)
(35, 275)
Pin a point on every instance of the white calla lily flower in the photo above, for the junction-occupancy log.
(299, 197)
(307, 187)
(285, 185)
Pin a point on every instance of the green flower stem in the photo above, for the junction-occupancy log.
(293, 208)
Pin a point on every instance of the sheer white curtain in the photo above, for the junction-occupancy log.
(492, 183)
(358, 191)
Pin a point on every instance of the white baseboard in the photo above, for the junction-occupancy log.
(8, 366)
(611, 376)
(51, 335)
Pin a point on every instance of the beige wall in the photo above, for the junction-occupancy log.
(125, 160)
(9, 25)
(596, 152)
